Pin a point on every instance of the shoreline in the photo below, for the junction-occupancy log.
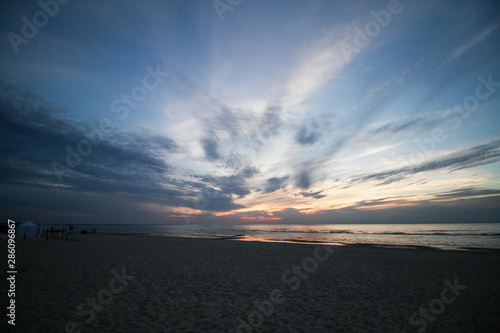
(459, 237)
(237, 238)
(410, 247)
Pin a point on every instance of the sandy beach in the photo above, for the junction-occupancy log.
(111, 283)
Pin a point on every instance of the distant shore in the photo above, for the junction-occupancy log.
(118, 283)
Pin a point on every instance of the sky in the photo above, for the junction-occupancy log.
(249, 112)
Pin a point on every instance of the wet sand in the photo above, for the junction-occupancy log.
(110, 283)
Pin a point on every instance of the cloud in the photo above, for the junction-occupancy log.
(323, 63)
(466, 158)
(315, 195)
(308, 133)
(468, 192)
(217, 202)
(304, 180)
(464, 205)
(129, 166)
(275, 183)
(211, 147)
(412, 125)
(472, 42)
(230, 135)
(217, 192)
(33, 137)
(374, 101)
(233, 134)
(228, 185)
(465, 193)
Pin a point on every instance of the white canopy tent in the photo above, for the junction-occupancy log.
(29, 228)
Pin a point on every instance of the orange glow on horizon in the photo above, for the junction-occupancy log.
(259, 218)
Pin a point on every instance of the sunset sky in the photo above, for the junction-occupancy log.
(256, 112)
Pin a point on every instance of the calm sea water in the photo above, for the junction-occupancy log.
(444, 236)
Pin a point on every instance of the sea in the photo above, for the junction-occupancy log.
(452, 236)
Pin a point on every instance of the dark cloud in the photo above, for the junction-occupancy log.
(275, 183)
(123, 169)
(313, 128)
(249, 172)
(303, 180)
(381, 202)
(34, 140)
(214, 201)
(271, 121)
(467, 192)
(467, 158)
(307, 135)
(228, 185)
(315, 195)
(211, 148)
(394, 127)
(217, 191)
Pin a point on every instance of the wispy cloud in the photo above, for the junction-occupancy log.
(466, 158)
(466, 193)
(407, 126)
(482, 35)
(315, 195)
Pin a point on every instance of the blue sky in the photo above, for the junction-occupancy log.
(282, 112)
